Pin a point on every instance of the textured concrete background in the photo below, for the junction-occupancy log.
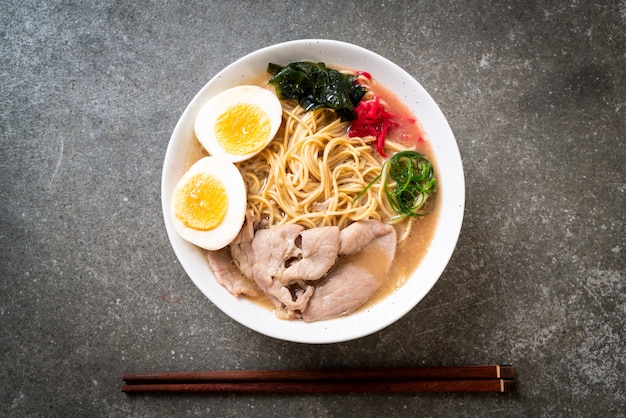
(90, 288)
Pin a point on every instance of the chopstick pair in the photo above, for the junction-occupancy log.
(438, 379)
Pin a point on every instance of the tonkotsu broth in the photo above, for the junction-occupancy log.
(409, 252)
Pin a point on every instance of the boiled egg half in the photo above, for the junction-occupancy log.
(209, 203)
(238, 123)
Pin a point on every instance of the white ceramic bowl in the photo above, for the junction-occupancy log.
(450, 181)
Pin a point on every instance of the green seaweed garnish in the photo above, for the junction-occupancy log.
(315, 86)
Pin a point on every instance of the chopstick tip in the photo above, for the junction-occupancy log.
(508, 386)
(507, 372)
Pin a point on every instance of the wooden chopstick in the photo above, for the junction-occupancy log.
(380, 373)
(371, 386)
(487, 378)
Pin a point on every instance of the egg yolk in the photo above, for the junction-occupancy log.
(242, 129)
(201, 203)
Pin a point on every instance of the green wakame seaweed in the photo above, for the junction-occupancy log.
(315, 86)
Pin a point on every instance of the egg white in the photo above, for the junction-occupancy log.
(230, 226)
(209, 113)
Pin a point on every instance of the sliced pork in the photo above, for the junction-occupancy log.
(318, 252)
(358, 235)
(241, 247)
(273, 250)
(313, 274)
(369, 247)
(346, 288)
(228, 274)
(286, 257)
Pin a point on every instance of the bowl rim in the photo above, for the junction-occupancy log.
(377, 316)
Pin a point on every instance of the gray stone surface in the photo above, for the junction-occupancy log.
(90, 288)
